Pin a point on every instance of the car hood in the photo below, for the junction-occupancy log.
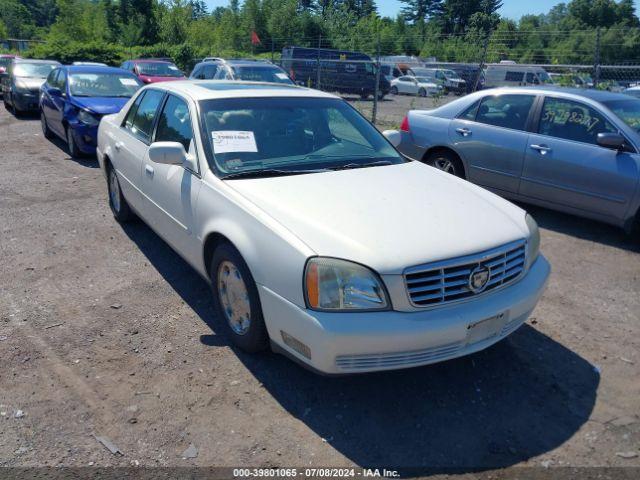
(30, 83)
(101, 105)
(389, 217)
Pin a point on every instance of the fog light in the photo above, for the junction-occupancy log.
(296, 344)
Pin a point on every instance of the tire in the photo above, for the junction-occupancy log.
(447, 162)
(422, 92)
(236, 301)
(118, 204)
(394, 91)
(380, 96)
(74, 151)
(46, 131)
(364, 96)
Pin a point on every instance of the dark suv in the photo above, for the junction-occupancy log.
(252, 71)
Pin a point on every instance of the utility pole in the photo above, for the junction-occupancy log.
(482, 62)
(318, 62)
(374, 112)
(596, 60)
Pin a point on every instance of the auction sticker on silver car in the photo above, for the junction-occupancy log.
(485, 329)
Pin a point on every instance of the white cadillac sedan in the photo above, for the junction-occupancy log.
(316, 236)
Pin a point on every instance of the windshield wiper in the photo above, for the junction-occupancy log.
(269, 172)
(350, 166)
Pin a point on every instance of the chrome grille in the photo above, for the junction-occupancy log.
(448, 280)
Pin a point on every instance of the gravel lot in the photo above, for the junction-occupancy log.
(104, 331)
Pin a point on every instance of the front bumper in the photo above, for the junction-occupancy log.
(25, 101)
(342, 343)
(86, 137)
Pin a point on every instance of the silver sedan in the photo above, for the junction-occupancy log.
(567, 149)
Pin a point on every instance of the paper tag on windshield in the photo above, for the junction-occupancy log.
(129, 82)
(282, 76)
(225, 141)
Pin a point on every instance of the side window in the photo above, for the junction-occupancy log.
(145, 114)
(532, 78)
(470, 113)
(508, 111)
(62, 81)
(174, 123)
(514, 76)
(197, 73)
(572, 121)
(128, 121)
(51, 79)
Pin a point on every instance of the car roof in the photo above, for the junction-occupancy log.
(149, 60)
(95, 69)
(214, 89)
(252, 63)
(33, 60)
(592, 94)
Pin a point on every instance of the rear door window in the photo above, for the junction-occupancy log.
(514, 76)
(145, 115)
(508, 111)
(572, 121)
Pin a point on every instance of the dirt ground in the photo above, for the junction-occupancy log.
(105, 333)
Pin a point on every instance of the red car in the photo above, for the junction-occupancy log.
(152, 70)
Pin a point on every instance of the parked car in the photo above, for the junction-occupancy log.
(468, 72)
(633, 91)
(5, 60)
(342, 71)
(573, 150)
(235, 178)
(447, 79)
(95, 64)
(21, 85)
(151, 70)
(74, 98)
(510, 74)
(414, 86)
(252, 71)
(206, 70)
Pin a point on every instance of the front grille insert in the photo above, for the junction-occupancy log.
(448, 281)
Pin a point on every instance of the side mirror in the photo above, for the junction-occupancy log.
(168, 153)
(394, 136)
(614, 141)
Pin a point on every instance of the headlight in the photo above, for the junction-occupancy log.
(338, 285)
(21, 87)
(533, 244)
(88, 119)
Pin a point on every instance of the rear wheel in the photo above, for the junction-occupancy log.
(236, 301)
(447, 162)
(119, 206)
(394, 91)
(422, 92)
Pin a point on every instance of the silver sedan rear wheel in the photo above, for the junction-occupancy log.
(445, 165)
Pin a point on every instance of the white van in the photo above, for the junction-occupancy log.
(510, 74)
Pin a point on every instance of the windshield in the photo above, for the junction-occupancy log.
(34, 70)
(103, 85)
(5, 61)
(262, 74)
(627, 110)
(451, 74)
(290, 134)
(544, 77)
(159, 69)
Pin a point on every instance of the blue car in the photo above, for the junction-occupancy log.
(73, 99)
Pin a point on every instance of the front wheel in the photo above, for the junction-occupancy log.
(118, 204)
(46, 131)
(447, 162)
(72, 146)
(422, 92)
(236, 300)
(394, 91)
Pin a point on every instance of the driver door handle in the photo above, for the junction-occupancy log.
(149, 170)
(543, 149)
(465, 132)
